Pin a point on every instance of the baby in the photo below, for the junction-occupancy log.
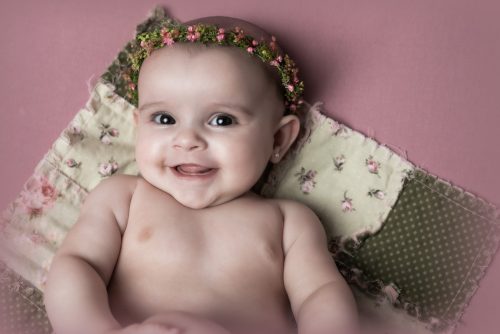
(187, 246)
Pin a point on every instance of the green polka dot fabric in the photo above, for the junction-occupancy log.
(430, 253)
(21, 306)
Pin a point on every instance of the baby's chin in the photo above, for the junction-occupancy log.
(195, 202)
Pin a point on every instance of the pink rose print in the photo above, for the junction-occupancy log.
(38, 194)
(105, 139)
(74, 134)
(307, 186)
(347, 204)
(339, 162)
(220, 35)
(113, 132)
(107, 133)
(72, 163)
(108, 168)
(373, 166)
(377, 193)
(306, 180)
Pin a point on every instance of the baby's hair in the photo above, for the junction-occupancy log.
(217, 31)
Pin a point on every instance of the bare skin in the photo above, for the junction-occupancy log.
(186, 246)
(216, 268)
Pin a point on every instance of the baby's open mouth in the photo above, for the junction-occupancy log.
(192, 169)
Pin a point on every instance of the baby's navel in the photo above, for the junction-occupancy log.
(145, 234)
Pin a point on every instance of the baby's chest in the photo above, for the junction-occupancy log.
(222, 243)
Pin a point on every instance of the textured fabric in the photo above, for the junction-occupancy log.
(373, 203)
(21, 307)
(349, 180)
(431, 253)
(96, 144)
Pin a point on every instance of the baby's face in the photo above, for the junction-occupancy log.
(206, 123)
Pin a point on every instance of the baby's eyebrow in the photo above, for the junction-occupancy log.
(148, 105)
(232, 106)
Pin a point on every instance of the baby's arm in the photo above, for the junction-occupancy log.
(76, 298)
(320, 298)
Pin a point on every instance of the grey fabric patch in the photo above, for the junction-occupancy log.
(431, 252)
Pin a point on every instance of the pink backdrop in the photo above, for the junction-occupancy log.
(420, 76)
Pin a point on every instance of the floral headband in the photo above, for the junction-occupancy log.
(171, 33)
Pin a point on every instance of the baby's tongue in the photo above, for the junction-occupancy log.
(192, 169)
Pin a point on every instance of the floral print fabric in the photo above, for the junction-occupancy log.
(97, 143)
(349, 180)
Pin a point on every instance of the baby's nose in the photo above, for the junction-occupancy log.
(188, 139)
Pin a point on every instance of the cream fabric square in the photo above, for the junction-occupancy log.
(98, 142)
(349, 180)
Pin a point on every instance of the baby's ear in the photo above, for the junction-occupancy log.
(284, 136)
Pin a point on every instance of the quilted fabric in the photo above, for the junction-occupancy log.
(21, 307)
(402, 237)
(431, 252)
(349, 180)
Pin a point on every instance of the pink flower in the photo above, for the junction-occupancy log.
(239, 34)
(38, 194)
(193, 35)
(114, 132)
(108, 168)
(72, 163)
(346, 204)
(48, 191)
(274, 63)
(75, 129)
(255, 43)
(250, 49)
(306, 180)
(310, 174)
(307, 186)
(168, 40)
(167, 37)
(105, 169)
(373, 166)
(376, 193)
(106, 139)
(290, 87)
(220, 35)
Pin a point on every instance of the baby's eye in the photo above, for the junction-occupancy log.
(163, 119)
(222, 120)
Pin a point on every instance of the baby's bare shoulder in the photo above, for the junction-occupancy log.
(299, 219)
(115, 194)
